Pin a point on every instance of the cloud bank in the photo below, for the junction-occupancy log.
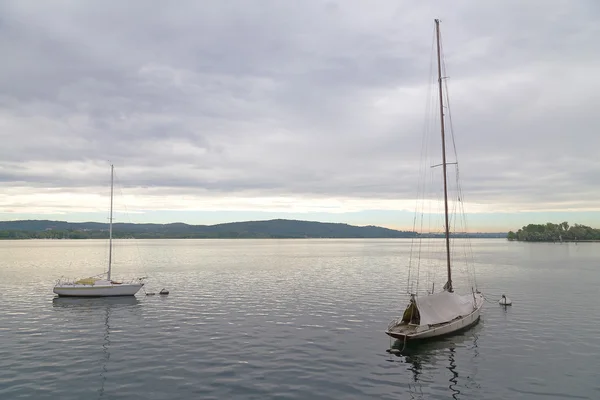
(314, 106)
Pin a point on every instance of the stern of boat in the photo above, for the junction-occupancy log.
(401, 330)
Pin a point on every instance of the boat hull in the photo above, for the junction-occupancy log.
(97, 290)
(455, 326)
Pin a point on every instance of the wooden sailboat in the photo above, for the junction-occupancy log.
(445, 312)
(100, 287)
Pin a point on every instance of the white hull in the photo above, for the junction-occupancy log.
(405, 331)
(110, 290)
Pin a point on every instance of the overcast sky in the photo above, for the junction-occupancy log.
(217, 111)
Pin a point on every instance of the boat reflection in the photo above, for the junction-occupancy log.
(95, 302)
(422, 357)
(105, 306)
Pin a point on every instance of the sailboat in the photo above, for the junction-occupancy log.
(434, 314)
(100, 287)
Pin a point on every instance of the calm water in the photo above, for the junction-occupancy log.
(292, 319)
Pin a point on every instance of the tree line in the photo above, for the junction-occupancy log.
(550, 232)
(75, 234)
(53, 234)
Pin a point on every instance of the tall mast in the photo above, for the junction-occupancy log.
(448, 285)
(110, 220)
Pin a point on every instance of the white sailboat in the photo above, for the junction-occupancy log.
(100, 287)
(440, 313)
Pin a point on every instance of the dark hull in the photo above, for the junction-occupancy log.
(413, 337)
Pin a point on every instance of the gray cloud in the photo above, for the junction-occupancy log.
(308, 98)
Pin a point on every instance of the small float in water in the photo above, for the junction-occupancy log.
(505, 301)
(164, 292)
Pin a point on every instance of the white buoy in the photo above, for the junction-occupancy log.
(505, 301)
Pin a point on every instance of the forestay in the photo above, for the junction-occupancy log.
(443, 307)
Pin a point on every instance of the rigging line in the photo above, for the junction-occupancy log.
(448, 108)
(461, 195)
(421, 177)
(459, 188)
(472, 259)
(450, 123)
(107, 249)
(129, 219)
(488, 300)
(451, 129)
(434, 221)
(491, 294)
(422, 171)
(462, 222)
(470, 252)
(463, 247)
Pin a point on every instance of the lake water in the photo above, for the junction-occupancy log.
(292, 319)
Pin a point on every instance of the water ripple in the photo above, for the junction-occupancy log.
(292, 320)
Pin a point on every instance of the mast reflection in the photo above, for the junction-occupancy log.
(421, 359)
(106, 305)
(454, 379)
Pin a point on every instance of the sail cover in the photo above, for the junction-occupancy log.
(443, 307)
(87, 281)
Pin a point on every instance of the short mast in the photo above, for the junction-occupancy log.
(448, 285)
(110, 220)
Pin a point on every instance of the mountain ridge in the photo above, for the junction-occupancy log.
(273, 228)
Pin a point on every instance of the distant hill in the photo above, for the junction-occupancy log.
(277, 228)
